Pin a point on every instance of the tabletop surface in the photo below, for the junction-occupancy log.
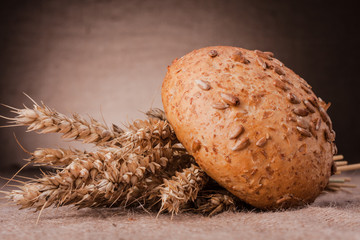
(333, 215)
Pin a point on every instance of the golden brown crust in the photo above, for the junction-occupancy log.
(251, 123)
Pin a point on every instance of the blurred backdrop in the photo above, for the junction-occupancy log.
(111, 56)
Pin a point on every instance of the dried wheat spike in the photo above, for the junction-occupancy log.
(215, 202)
(57, 188)
(176, 192)
(55, 157)
(130, 180)
(45, 120)
(107, 177)
(64, 187)
(146, 134)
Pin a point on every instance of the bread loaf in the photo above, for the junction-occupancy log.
(252, 124)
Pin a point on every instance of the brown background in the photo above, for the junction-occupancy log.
(83, 56)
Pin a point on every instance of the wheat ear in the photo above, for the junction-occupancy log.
(53, 188)
(107, 177)
(145, 134)
(45, 120)
(127, 179)
(215, 202)
(176, 192)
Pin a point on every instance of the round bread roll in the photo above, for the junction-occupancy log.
(252, 125)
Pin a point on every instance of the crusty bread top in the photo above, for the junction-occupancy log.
(252, 124)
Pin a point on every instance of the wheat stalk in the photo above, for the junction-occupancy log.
(340, 184)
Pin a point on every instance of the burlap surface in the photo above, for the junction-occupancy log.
(332, 216)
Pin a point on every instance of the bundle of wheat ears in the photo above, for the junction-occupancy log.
(144, 166)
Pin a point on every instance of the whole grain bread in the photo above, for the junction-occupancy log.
(252, 124)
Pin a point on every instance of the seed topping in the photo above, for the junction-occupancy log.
(261, 142)
(261, 63)
(204, 85)
(220, 106)
(279, 70)
(325, 117)
(301, 122)
(266, 55)
(239, 57)
(309, 106)
(303, 131)
(334, 148)
(281, 85)
(313, 101)
(278, 62)
(301, 111)
(318, 124)
(306, 89)
(304, 83)
(285, 80)
(329, 135)
(270, 54)
(333, 133)
(241, 144)
(213, 53)
(230, 99)
(312, 130)
(196, 146)
(236, 131)
(293, 98)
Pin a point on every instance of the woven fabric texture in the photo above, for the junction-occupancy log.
(332, 216)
